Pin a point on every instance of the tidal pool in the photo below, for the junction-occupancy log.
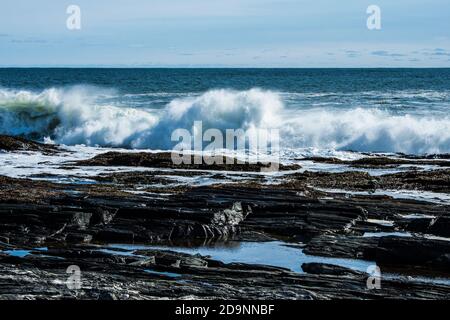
(273, 253)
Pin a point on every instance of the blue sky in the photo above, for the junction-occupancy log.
(231, 33)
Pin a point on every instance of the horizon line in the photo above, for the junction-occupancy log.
(204, 67)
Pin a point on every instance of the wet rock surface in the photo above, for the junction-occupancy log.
(328, 227)
(45, 227)
(383, 161)
(165, 160)
(435, 181)
(8, 143)
(159, 275)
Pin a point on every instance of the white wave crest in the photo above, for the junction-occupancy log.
(218, 109)
(75, 116)
(369, 130)
(70, 116)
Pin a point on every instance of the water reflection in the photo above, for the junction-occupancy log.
(273, 253)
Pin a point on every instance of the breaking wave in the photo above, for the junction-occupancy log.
(70, 116)
(76, 115)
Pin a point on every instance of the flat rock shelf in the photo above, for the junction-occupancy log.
(139, 227)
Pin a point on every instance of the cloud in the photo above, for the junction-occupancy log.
(384, 53)
(29, 40)
(137, 46)
(352, 53)
(447, 54)
(437, 52)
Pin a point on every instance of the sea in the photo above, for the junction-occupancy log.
(340, 113)
(315, 110)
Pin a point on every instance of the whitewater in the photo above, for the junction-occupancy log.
(98, 117)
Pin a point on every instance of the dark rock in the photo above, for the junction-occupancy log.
(79, 238)
(391, 251)
(436, 180)
(381, 161)
(344, 180)
(4, 239)
(413, 252)
(103, 215)
(440, 226)
(330, 269)
(164, 160)
(115, 236)
(9, 143)
(105, 276)
(80, 219)
(107, 296)
(343, 247)
(64, 217)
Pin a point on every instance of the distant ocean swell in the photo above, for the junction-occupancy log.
(75, 116)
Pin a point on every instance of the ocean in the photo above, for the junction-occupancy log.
(317, 111)
(364, 155)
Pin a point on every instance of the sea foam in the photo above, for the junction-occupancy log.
(77, 115)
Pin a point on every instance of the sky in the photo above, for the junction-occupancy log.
(225, 33)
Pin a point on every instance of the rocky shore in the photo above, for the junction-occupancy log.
(127, 231)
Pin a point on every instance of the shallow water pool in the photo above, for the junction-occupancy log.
(273, 253)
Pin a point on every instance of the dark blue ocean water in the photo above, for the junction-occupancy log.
(198, 80)
(392, 110)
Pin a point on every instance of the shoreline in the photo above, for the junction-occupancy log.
(78, 223)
